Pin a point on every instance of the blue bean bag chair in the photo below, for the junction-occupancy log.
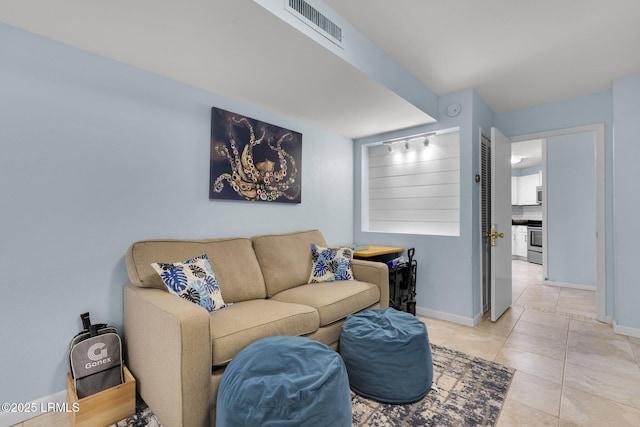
(285, 381)
(387, 355)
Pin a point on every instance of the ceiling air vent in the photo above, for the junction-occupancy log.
(315, 19)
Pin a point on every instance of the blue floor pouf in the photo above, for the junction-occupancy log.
(285, 381)
(387, 355)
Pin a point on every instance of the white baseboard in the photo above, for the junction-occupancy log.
(626, 330)
(477, 320)
(32, 409)
(606, 319)
(441, 315)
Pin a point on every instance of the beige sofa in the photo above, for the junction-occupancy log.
(177, 350)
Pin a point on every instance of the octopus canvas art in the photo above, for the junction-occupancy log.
(253, 160)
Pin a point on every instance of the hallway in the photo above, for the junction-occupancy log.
(529, 291)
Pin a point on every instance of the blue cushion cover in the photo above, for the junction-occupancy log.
(285, 381)
(387, 355)
(330, 264)
(193, 280)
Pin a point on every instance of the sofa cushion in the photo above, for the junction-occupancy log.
(240, 324)
(333, 300)
(285, 259)
(232, 259)
(330, 264)
(192, 280)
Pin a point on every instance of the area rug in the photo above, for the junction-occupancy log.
(468, 391)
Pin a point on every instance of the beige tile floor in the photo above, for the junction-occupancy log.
(570, 369)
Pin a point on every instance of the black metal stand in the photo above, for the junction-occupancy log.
(402, 285)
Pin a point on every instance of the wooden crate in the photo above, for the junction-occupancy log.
(103, 408)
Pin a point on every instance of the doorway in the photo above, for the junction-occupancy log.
(597, 211)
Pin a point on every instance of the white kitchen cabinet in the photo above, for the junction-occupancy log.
(519, 233)
(526, 189)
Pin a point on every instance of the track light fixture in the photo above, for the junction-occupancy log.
(426, 138)
(407, 140)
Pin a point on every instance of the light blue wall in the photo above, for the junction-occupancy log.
(571, 209)
(95, 155)
(626, 152)
(446, 275)
(574, 112)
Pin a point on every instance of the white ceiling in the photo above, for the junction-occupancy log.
(516, 54)
(528, 152)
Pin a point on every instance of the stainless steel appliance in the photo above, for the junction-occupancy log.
(534, 242)
(539, 195)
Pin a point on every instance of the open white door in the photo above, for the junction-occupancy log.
(500, 235)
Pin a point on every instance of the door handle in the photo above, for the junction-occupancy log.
(493, 235)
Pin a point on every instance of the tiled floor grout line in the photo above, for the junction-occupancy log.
(556, 312)
(564, 370)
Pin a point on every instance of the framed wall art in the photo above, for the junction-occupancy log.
(253, 160)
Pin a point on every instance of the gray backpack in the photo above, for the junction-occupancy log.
(95, 358)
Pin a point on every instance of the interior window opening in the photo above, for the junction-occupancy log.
(412, 185)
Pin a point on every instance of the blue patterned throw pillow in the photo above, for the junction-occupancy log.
(330, 264)
(192, 280)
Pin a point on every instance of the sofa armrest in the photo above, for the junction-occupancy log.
(168, 346)
(376, 273)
